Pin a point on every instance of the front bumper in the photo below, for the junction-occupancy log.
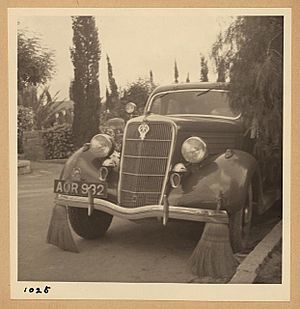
(150, 211)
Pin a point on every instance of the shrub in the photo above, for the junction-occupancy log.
(58, 142)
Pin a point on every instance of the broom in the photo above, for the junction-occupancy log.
(59, 232)
(213, 256)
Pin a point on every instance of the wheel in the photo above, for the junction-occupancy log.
(240, 224)
(89, 227)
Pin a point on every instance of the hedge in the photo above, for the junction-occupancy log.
(57, 142)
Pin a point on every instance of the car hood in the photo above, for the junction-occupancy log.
(219, 134)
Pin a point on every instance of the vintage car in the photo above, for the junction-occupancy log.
(188, 157)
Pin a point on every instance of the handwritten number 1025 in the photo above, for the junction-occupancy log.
(38, 290)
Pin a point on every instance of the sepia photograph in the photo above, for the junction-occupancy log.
(151, 153)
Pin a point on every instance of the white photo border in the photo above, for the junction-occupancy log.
(150, 291)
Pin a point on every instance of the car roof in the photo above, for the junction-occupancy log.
(186, 86)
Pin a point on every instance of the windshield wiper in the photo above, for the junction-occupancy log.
(203, 92)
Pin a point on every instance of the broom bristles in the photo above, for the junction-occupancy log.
(213, 256)
(59, 232)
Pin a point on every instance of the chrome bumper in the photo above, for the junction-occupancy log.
(150, 211)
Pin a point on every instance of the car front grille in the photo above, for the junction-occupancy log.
(145, 164)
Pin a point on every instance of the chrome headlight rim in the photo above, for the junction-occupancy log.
(130, 107)
(101, 149)
(188, 155)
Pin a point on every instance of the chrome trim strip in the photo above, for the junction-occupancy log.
(203, 116)
(149, 211)
(168, 167)
(146, 175)
(147, 109)
(142, 192)
(144, 157)
(149, 140)
(121, 163)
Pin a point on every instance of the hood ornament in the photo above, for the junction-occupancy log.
(143, 130)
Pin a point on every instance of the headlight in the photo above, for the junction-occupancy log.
(130, 107)
(193, 149)
(101, 145)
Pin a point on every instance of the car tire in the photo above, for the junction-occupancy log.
(89, 227)
(240, 224)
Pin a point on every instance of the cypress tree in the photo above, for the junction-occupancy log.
(151, 80)
(151, 77)
(85, 55)
(187, 78)
(114, 94)
(221, 71)
(203, 70)
(176, 73)
(219, 56)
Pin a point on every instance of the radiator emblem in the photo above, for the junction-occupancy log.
(76, 174)
(143, 130)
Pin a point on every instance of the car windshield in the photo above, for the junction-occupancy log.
(208, 102)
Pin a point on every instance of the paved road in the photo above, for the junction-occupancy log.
(129, 252)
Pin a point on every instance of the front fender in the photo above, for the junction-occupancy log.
(89, 166)
(216, 177)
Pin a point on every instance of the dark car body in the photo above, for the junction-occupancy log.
(142, 183)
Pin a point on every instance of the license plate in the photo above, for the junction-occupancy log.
(79, 188)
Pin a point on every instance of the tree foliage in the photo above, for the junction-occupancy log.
(137, 92)
(221, 57)
(253, 52)
(25, 123)
(71, 95)
(85, 55)
(108, 104)
(203, 69)
(36, 63)
(41, 103)
(44, 108)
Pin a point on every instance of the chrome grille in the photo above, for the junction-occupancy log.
(145, 164)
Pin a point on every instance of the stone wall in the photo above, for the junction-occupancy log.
(33, 145)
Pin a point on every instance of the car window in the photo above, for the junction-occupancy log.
(205, 102)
